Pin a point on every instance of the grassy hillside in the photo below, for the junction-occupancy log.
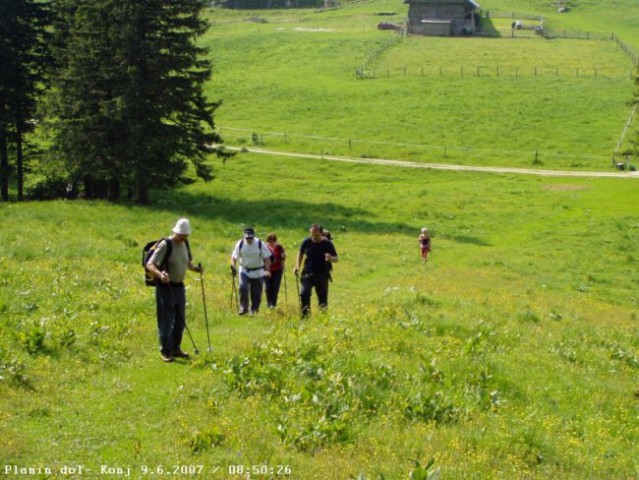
(289, 82)
(513, 353)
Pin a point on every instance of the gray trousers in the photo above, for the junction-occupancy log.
(252, 287)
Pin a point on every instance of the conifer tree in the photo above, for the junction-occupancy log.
(24, 60)
(130, 108)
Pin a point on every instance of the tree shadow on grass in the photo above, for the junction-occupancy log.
(277, 213)
(469, 240)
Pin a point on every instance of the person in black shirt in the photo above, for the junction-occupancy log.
(318, 253)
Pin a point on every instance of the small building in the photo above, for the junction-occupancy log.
(442, 17)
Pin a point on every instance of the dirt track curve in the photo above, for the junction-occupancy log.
(440, 166)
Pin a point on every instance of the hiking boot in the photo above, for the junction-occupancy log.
(180, 354)
(166, 357)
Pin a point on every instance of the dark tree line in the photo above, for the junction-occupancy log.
(24, 62)
(126, 111)
(264, 4)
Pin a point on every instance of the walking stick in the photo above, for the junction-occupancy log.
(285, 291)
(206, 316)
(299, 298)
(195, 350)
(234, 291)
(186, 325)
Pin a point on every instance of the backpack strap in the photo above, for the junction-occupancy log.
(188, 249)
(169, 251)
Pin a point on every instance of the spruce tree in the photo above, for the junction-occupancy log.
(24, 60)
(131, 110)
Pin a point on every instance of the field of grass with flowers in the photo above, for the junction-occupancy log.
(512, 353)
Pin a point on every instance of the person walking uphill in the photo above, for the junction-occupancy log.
(272, 283)
(170, 267)
(424, 244)
(255, 263)
(318, 253)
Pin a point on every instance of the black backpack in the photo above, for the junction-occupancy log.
(148, 251)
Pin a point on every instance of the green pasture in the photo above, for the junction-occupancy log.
(512, 354)
(289, 80)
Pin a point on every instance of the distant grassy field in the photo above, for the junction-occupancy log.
(290, 83)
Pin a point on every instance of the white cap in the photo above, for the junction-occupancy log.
(424, 230)
(182, 227)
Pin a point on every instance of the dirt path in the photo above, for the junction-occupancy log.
(442, 166)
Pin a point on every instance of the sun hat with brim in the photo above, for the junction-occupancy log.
(249, 233)
(182, 227)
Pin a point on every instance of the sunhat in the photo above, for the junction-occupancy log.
(182, 227)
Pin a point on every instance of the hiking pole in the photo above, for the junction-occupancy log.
(285, 291)
(234, 291)
(195, 350)
(206, 316)
(186, 325)
(299, 298)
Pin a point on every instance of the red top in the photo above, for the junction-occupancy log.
(276, 260)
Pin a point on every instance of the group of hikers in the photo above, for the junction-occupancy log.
(259, 266)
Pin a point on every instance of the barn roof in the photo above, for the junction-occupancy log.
(472, 3)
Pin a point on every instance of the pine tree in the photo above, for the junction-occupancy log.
(24, 60)
(131, 111)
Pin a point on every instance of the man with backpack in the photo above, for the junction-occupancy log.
(255, 262)
(320, 254)
(168, 264)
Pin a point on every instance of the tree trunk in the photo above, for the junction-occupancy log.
(19, 162)
(143, 194)
(114, 190)
(4, 165)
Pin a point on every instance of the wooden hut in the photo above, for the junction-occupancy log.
(442, 17)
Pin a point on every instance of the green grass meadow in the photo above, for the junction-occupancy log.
(512, 354)
(290, 83)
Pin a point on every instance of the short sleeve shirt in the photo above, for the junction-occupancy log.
(178, 261)
(315, 255)
(251, 257)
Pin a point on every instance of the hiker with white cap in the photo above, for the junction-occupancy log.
(254, 257)
(424, 244)
(169, 263)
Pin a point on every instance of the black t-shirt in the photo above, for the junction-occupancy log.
(315, 255)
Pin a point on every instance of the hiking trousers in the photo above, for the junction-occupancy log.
(170, 301)
(318, 281)
(272, 287)
(252, 287)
